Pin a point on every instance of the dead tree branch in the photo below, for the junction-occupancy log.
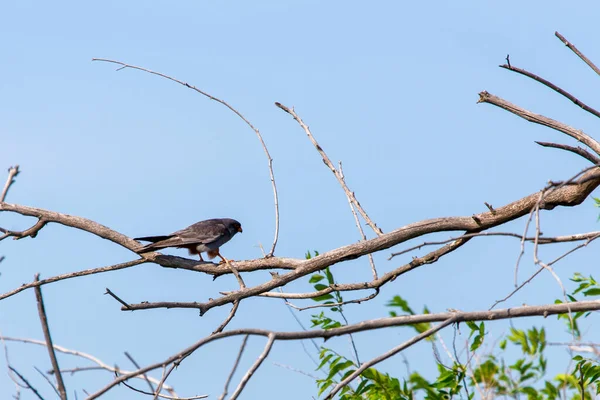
(12, 173)
(46, 329)
(95, 360)
(368, 325)
(552, 86)
(576, 51)
(234, 368)
(579, 135)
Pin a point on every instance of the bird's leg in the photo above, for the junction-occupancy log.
(200, 255)
(223, 259)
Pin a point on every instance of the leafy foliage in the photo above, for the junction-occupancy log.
(485, 373)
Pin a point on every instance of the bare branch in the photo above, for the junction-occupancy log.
(329, 164)
(117, 298)
(235, 365)
(145, 377)
(339, 304)
(591, 239)
(368, 325)
(254, 367)
(86, 356)
(387, 355)
(26, 382)
(70, 275)
(220, 328)
(12, 173)
(236, 112)
(576, 51)
(44, 320)
(485, 97)
(542, 239)
(577, 150)
(358, 225)
(31, 232)
(553, 87)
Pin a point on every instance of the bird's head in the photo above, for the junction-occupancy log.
(234, 226)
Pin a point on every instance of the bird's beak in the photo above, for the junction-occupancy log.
(240, 229)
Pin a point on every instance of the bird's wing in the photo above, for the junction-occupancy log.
(204, 232)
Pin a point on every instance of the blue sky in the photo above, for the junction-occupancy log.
(389, 88)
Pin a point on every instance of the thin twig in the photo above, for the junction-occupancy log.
(254, 367)
(26, 382)
(330, 165)
(135, 364)
(329, 305)
(86, 356)
(236, 112)
(163, 380)
(553, 87)
(12, 173)
(52, 385)
(117, 298)
(542, 239)
(230, 316)
(357, 221)
(576, 51)
(577, 150)
(591, 239)
(31, 232)
(233, 369)
(46, 329)
(73, 275)
(388, 354)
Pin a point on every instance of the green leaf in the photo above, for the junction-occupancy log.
(316, 278)
(592, 292)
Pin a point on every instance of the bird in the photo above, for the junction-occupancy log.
(204, 236)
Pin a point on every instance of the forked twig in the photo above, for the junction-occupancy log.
(330, 165)
(236, 112)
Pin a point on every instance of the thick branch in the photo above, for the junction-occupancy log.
(566, 195)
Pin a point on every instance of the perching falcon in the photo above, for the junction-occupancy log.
(204, 236)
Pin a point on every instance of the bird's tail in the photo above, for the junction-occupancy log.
(149, 247)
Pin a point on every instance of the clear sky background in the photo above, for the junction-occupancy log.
(389, 88)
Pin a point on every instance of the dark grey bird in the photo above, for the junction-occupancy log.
(204, 236)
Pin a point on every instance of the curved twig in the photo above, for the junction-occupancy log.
(236, 112)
